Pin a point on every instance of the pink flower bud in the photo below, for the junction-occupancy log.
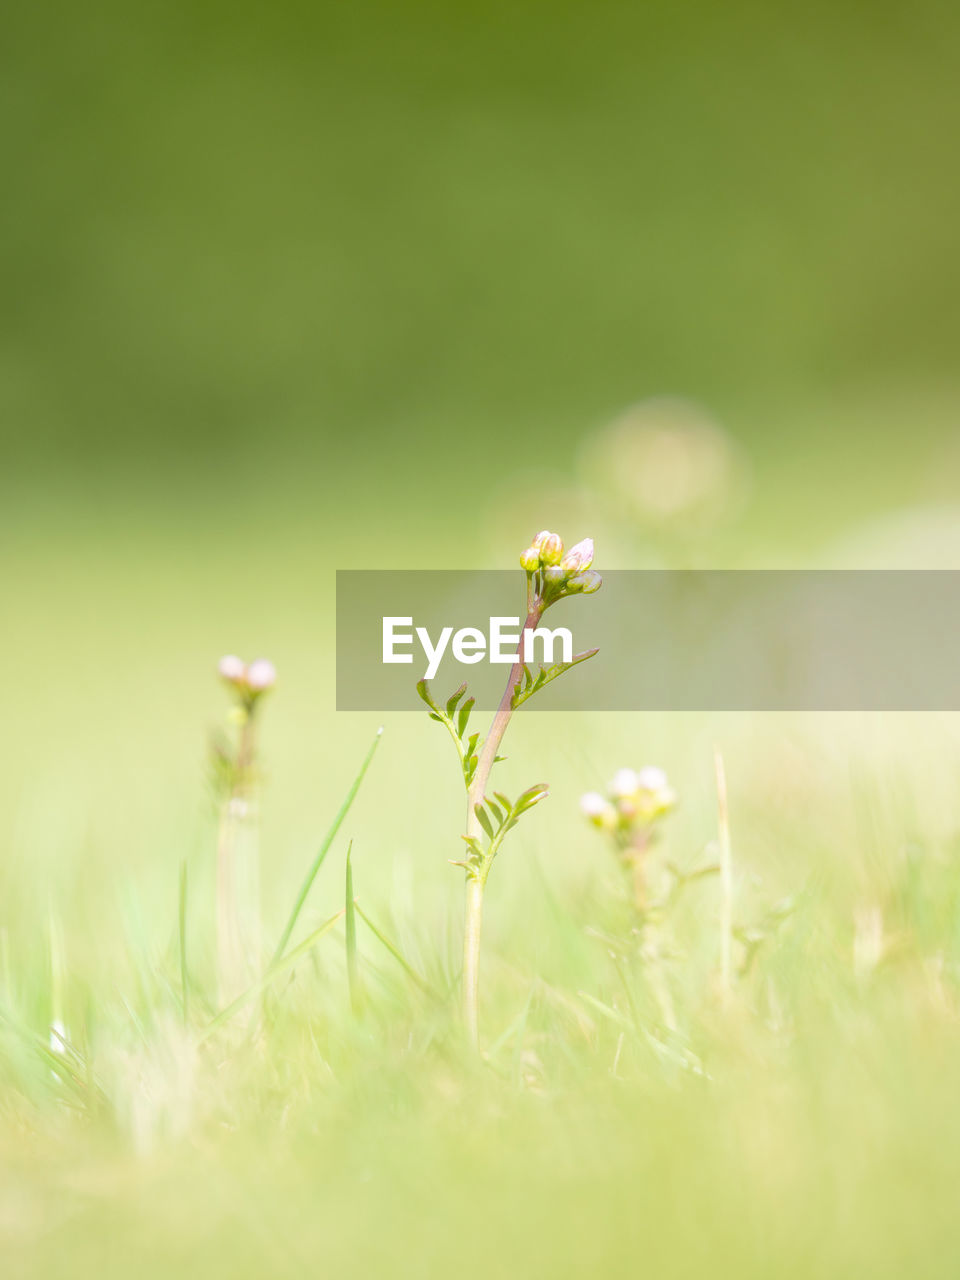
(261, 675)
(579, 557)
(232, 668)
(530, 560)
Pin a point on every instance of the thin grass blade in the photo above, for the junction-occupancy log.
(322, 853)
(397, 955)
(353, 960)
(184, 983)
(274, 971)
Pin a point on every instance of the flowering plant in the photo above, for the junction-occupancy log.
(552, 575)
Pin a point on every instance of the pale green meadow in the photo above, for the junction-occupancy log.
(635, 1105)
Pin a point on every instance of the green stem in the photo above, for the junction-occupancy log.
(473, 920)
(235, 825)
(726, 880)
(476, 881)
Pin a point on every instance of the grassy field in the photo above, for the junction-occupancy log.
(801, 1123)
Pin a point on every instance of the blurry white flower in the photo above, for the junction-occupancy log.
(261, 675)
(232, 668)
(651, 778)
(598, 809)
(642, 794)
(624, 783)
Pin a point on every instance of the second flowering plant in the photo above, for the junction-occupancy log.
(552, 575)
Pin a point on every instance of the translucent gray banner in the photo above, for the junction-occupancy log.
(683, 641)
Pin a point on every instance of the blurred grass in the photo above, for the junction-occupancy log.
(806, 1128)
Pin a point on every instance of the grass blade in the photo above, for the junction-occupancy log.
(323, 851)
(353, 963)
(726, 879)
(397, 955)
(274, 971)
(184, 985)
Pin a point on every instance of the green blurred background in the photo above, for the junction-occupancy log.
(327, 254)
(293, 287)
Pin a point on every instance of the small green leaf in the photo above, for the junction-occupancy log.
(423, 689)
(454, 699)
(533, 795)
(464, 715)
(474, 845)
(498, 817)
(483, 819)
(521, 694)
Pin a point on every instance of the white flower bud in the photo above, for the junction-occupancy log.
(598, 810)
(643, 795)
(579, 557)
(261, 675)
(651, 778)
(585, 583)
(550, 547)
(530, 560)
(232, 668)
(625, 782)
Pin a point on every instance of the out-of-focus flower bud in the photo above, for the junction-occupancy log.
(549, 546)
(232, 668)
(645, 793)
(530, 560)
(651, 778)
(627, 809)
(261, 675)
(653, 795)
(579, 557)
(585, 583)
(598, 810)
(624, 783)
